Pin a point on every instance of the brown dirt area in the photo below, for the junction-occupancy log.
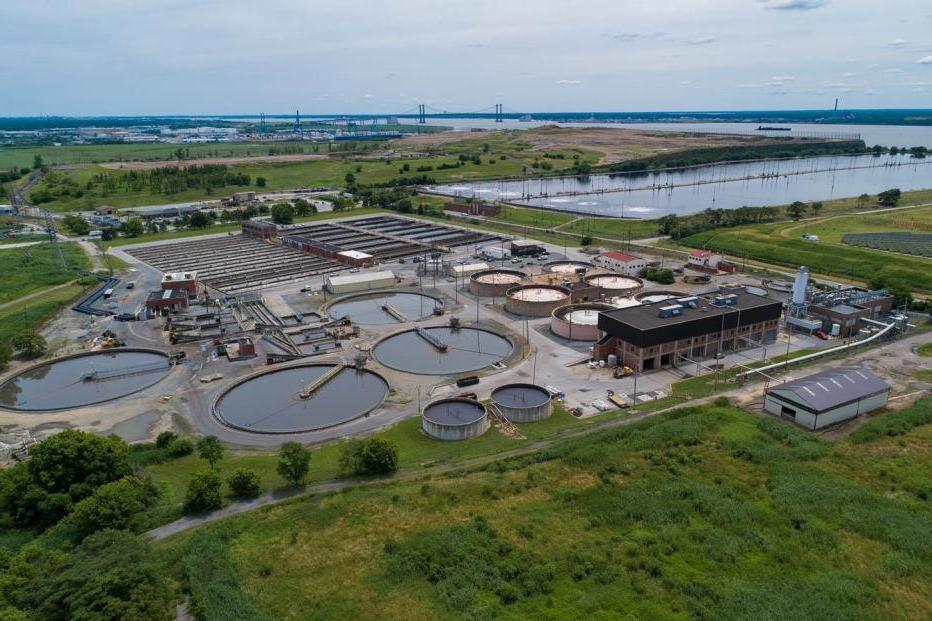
(292, 157)
(615, 144)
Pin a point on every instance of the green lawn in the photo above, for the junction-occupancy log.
(925, 350)
(699, 513)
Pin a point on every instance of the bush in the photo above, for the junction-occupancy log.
(203, 493)
(370, 456)
(30, 344)
(116, 505)
(660, 276)
(294, 462)
(282, 213)
(244, 484)
(112, 575)
(895, 423)
(179, 447)
(165, 438)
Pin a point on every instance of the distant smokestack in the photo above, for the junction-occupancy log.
(800, 285)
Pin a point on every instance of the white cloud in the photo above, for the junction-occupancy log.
(793, 5)
(926, 60)
(896, 43)
(701, 41)
(848, 75)
(893, 70)
(748, 85)
(368, 96)
(568, 82)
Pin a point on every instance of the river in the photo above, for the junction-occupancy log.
(725, 186)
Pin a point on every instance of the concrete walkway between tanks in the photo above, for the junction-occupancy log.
(188, 522)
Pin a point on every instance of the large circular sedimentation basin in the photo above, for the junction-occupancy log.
(383, 308)
(466, 349)
(494, 283)
(611, 285)
(567, 267)
(535, 300)
(454, 419)
(523, 403)
(272, 402)
(84, 379)
(578, 322)
(652, 297)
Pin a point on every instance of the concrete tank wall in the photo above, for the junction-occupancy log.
(530, 414)
(561, 325)
(453, 431)
(609, 289)
(485, 289)
(535, 308)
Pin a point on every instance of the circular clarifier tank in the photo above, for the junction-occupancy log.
(494, 283)
(442, 350)
(84, 379)
(522, 403)
(578, 322)
(300, 398)
(615, 284)
(454, 419)
(567, 267)
(535, 300)
(384, 308)
(652, 297)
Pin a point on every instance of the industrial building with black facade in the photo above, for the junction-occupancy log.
(683, 330)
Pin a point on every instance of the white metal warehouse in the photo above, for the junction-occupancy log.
(828, 397)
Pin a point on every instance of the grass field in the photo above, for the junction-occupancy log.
(92, 154)
(700, 513)
(287, 175)
(782, 244)
(37, 310)
(415, 452)
(24, 270)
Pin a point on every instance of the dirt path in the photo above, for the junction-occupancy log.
(35, 294)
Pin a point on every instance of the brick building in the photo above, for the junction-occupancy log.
(674, 332)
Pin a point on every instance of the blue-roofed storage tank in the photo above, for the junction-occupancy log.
(522, 403)
(456, 418)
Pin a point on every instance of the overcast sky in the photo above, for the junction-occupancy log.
(91, 57)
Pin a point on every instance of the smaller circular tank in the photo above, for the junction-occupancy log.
(614, 285)
(523, 403)
(456, 418)
(535, 300)
(567, 267)
(657, 295)
(494, 283)
(578, 322)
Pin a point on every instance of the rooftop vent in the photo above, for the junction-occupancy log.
(673, 310)
(691, 302)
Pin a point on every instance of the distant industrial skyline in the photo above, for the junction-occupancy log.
(101, 57)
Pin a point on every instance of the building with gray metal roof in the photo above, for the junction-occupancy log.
(828, 397)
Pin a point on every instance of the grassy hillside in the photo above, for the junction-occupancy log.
(703, 513)
(28, 269)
